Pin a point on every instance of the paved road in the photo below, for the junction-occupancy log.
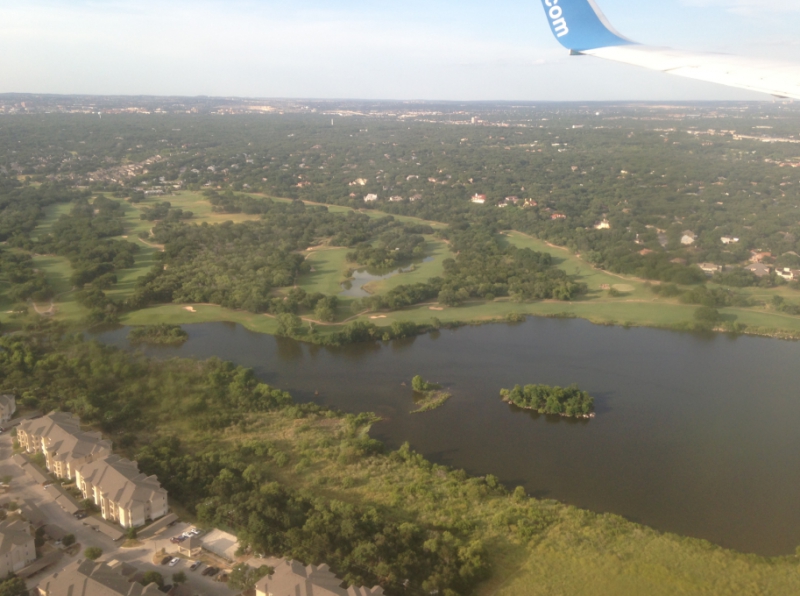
(22, 487)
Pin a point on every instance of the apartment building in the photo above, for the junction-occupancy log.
(123, 494)
(65, 446)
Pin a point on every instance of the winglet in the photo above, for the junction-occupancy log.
(579, 25)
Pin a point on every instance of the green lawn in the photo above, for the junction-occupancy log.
(330, 265)
(126, 278)
(178, 314)
(58, 272)
(52, 213)
(585, 273)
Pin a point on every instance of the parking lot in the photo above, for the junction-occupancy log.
(23, 488)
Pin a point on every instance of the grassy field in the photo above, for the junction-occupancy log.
(329, 266)
(179, 314)
(575, 553)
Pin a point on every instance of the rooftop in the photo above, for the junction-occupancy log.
(87, 578)
(293, 579)
(120, 480)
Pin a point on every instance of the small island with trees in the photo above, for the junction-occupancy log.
(431, 395)
(162, 334)
(544, 399)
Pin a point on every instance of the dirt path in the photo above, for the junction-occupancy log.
(159, 247)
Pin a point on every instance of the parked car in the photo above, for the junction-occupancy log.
(166, 588)
(166, 559)
(210, 571)
(174, 561)
(195, 565)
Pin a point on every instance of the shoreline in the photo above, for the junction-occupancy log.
(562, 414)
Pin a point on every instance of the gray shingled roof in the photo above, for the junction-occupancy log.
(121, 480)
(293, 579)
(87, 578)
(13, 534)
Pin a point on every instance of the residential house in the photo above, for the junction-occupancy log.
(395, 199)
(710, 268)
(370, 198)
(729, 240)
(8, 405)
(530, 203)
(415, 198)
(688, 238)
(478, 199)
(17, 549)
(757, 257)
(787, 274)
(759, 269)
(291, 578)
(603, 225)
(87, 578)
(558, 216)
(123, 494)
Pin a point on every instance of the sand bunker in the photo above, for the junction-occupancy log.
(189, 308)
(435, 308)
(379, 317)
(623, 288)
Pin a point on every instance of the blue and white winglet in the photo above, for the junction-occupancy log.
(581, 27)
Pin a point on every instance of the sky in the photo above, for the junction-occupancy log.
(369, 49)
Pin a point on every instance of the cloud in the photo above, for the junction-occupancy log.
(749, 7)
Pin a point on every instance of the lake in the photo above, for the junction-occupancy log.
(694, 434)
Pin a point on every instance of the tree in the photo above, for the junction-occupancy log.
(244, 577)
(93, 553)
(153, 577)
(706, 317)
(419, 384)
(179, 578)
(68, 540)
(13, 586)
(324, 312)
(288, 324)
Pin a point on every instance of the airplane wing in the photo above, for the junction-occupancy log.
(582, 28)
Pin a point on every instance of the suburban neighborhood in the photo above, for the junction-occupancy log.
(79, 520)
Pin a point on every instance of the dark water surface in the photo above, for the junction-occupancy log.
(698, 435)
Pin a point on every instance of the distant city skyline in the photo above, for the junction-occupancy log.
(433, 50)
